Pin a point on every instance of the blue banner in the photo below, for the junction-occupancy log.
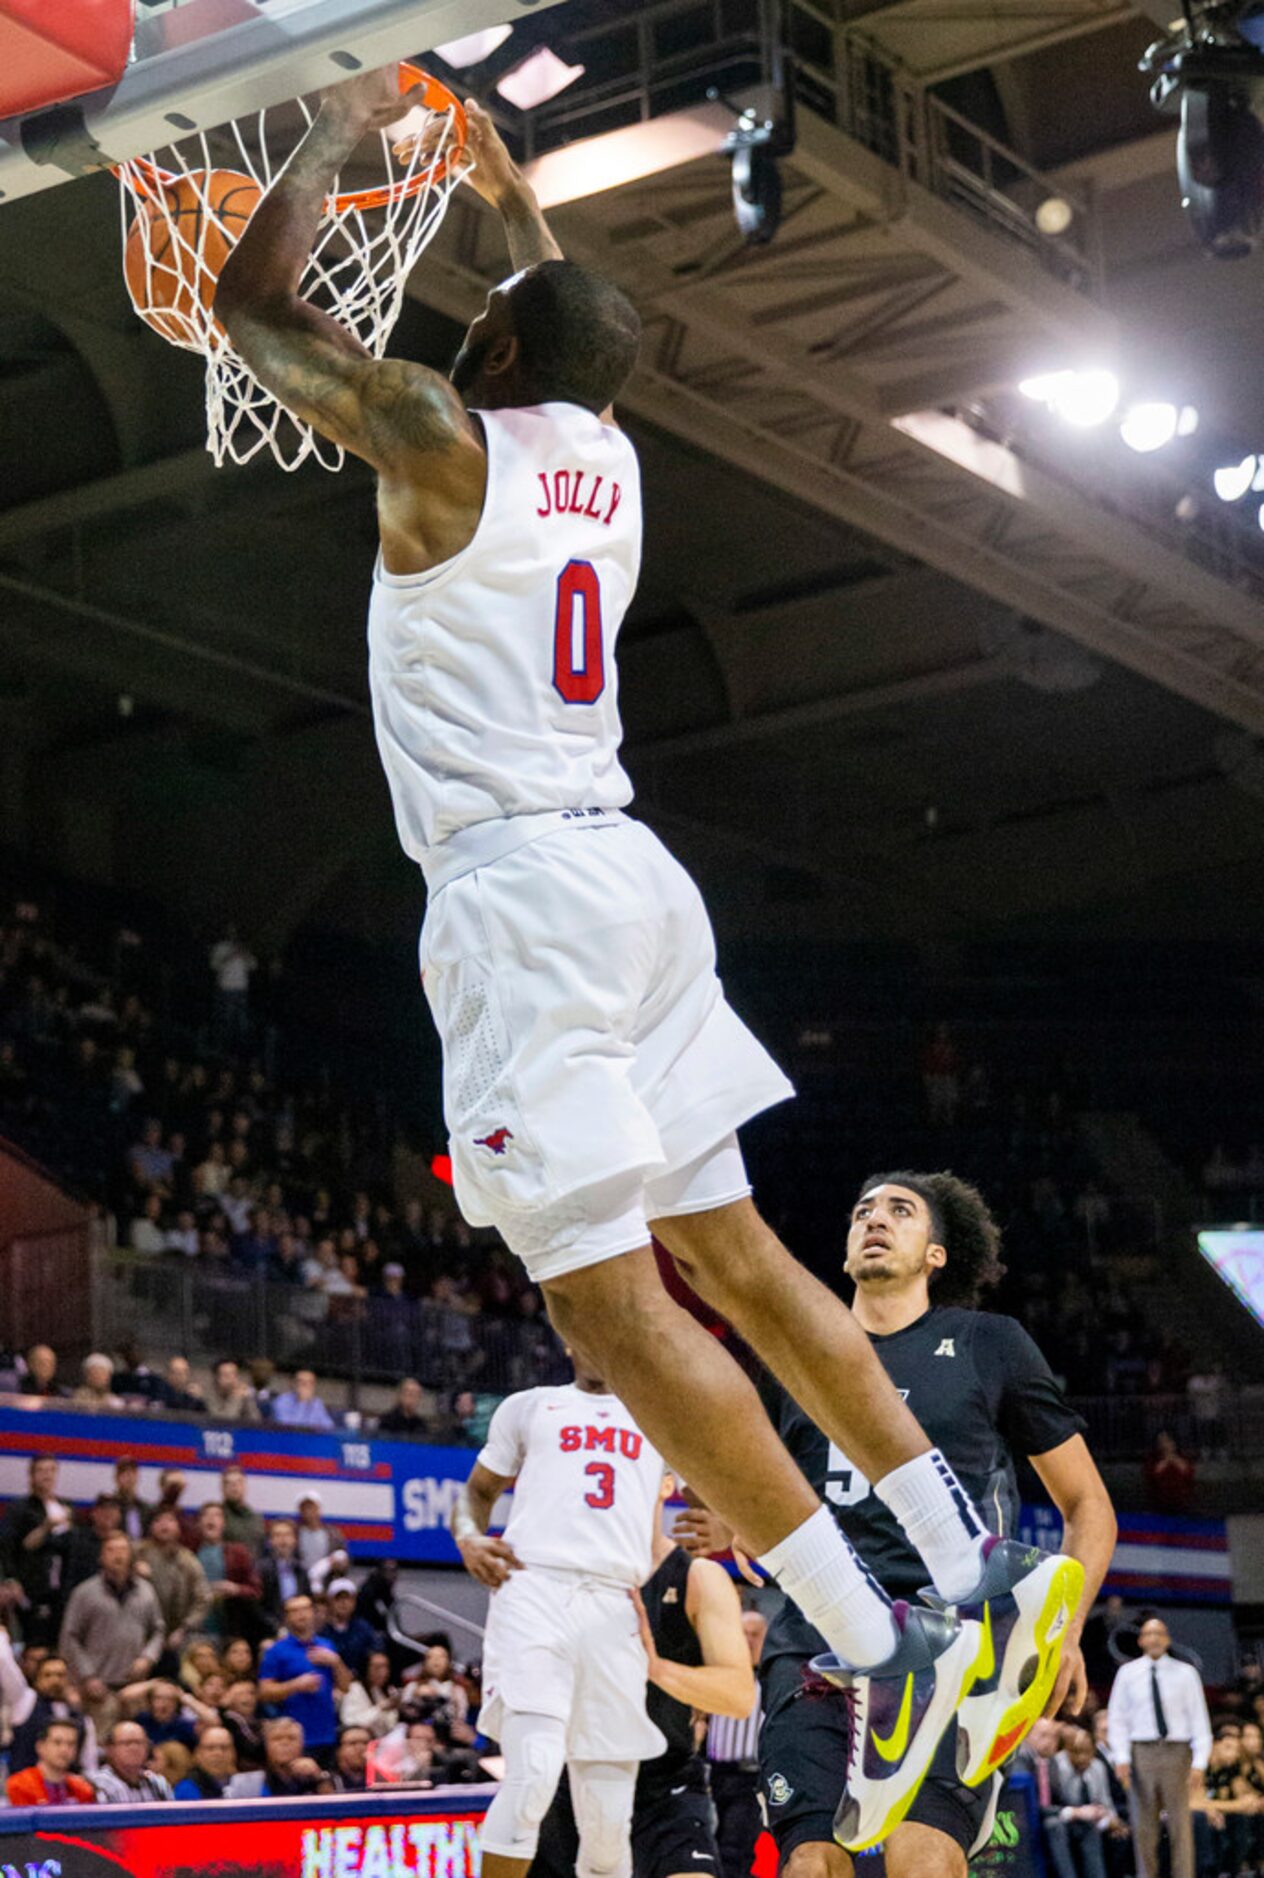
(392, 1499)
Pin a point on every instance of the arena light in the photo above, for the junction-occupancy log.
(1151, 426)
(1054, 216)
(1232, 481)
(474, 47)
(1081, 399)
(537, 78)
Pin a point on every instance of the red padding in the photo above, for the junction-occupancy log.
(49, 53)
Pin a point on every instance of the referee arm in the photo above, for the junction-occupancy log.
(1089, 1530)
(725, 1682)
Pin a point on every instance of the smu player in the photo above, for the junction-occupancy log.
(564, 1667)
(594, 1075)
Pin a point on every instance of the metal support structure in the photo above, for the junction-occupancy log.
(199, 65)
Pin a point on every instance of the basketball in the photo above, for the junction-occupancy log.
(177, 244)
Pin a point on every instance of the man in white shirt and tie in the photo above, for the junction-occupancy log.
(1160, 1738)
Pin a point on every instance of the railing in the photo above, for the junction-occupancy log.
(170, 1304)
(1125, 1427)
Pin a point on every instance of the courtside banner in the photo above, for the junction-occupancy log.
(394, 1835)
(392, 1499)
(1160, 1558)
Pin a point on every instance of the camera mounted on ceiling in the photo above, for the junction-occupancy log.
(753, 146)
(1212, 73)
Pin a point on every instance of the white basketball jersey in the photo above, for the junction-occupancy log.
(587, 1482)
(493, 675)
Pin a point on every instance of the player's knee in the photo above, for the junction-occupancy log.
(524, 1797)
(607, 1308)
(724, 1253)
(603, 1814)
(823, 1859)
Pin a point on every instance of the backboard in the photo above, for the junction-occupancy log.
(198, 63)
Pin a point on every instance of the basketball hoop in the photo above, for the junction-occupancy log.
(184, 207)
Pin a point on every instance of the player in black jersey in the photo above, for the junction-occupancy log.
(691, 1626)
(921, 1251)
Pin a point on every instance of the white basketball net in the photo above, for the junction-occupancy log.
(358, 269)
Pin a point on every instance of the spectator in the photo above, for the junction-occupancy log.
(242, 1525)
(50, 1782)
(184, 1237)
(146, 1234)
(149, 1163)
(353, 1638)
(172, 1760)
(1207, 1391)
(351, 1759)
(96, 1391)
(411, 1755)
(1160, 1740)
(53, 1702)
(377, 1596)
(1169, 1476)
(231, 1399)
(336, 1564)
(374, 1701)
(316, 1541)
(41, 1374)
(282, 1573)
(231, 966)
(300, 1406)
(133, 1510)
(171, 1486)
(125, 1780)
(184, 1596)
(433, 1690)
(178, 1391)
(83, 1555)
(286, 1773)
(112, 1633)
(405, 1416)
(231, 1575)
(237, 1659)
(1081, 1811)
(240, 1715)
(1225, 1813)
(34, 1545)
(163, 1719)
(298, 1675)
(214, 1764)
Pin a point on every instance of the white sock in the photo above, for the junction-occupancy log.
(816, 1567)
(938, 1517)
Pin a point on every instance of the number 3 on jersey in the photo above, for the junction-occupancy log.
(602, 1495)
(579, 667)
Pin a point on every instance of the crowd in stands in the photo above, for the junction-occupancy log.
(170, 1653)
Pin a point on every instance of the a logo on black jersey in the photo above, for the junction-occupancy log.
(780, 1792)
(946, 1347)
(496, 1141)
(671, 1595)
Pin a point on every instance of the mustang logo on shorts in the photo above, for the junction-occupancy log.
(495, 1141)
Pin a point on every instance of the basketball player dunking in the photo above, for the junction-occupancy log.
(594, 1075)
(564, 1666)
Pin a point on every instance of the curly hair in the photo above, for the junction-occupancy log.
(962, 1223)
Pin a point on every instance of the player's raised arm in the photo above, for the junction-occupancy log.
(392, 412)
(496, 177)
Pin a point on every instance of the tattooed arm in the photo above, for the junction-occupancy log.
(390, 411)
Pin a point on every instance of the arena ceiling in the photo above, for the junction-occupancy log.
(868, 687)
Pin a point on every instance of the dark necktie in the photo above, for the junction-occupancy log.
(1083, 1799)
(1160, 1719)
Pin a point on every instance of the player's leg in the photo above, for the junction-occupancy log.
(915, 1851)
(809, 1338)
(673, 1836)
(534, 1748)
(817, 1858)
(602, 1793)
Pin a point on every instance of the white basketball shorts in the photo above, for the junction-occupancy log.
(593, 1073)
(560, 1644)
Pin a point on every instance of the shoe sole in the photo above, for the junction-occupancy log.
(1048, 1598)
(964, 1659)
